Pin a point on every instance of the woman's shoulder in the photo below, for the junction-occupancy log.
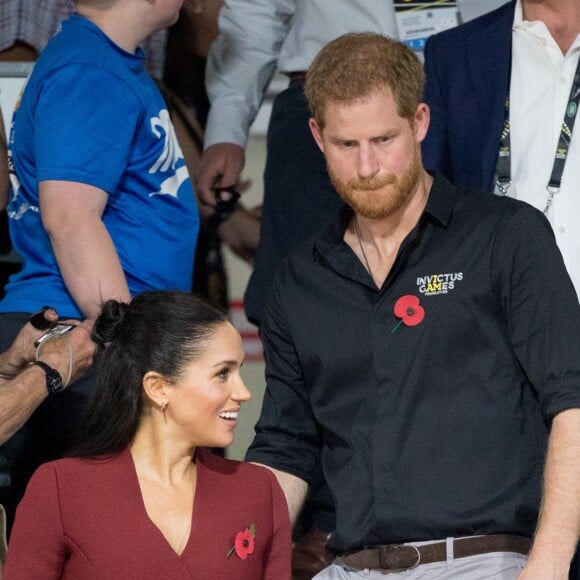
(75, 469)
(252, 491)
(233, 468)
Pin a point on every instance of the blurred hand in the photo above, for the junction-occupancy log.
(22, 351)
(220, 166)
(55, 351)
(241, 232)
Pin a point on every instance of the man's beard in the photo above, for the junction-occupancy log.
(365, 195)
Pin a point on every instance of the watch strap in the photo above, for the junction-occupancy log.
(54, 382)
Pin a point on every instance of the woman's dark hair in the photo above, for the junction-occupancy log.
(158, 331)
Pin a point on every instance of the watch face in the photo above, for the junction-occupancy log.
(53, 381)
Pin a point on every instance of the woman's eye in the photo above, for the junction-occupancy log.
(223, 374)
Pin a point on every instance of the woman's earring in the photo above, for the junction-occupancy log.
(163, 407)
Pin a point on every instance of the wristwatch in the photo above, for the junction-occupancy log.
(54, 382)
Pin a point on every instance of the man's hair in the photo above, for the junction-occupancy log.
(356, 65)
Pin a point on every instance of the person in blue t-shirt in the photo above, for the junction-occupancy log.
(102, 206)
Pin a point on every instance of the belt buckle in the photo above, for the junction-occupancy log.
(396, 558)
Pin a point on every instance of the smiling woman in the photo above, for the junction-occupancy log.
(169, 384)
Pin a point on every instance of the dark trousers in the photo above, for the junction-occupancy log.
(49, 433)
(299, 199)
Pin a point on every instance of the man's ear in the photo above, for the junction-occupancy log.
(421, 121)
(155, 388)
(316, 131)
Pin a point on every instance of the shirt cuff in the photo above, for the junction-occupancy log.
(226, 125)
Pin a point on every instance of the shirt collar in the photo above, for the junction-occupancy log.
(536, 27)
(441, 199)
(518, 15)
(439, 207)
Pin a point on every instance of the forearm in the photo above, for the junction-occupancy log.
(241, 63)
(69, 355)
(19, 398)
(89, 265)
(559, 523)
(294, 489)
(22, 351)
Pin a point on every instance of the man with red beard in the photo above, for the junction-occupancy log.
(423, 349)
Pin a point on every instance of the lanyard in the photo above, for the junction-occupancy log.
(503, 169)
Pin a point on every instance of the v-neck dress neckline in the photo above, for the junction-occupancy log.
(147, 521)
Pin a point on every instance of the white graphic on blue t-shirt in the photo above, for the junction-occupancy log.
(163, 129)
(24, 206)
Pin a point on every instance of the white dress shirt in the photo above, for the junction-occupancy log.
(258, 37)
(541, 80)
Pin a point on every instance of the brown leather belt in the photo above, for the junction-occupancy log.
(400, 557)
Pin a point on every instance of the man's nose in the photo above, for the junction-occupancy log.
(367, 163)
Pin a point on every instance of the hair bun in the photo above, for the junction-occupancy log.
(107, 324)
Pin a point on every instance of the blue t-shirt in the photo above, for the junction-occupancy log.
(91, 114)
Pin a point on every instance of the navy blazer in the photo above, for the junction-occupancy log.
(468, 75)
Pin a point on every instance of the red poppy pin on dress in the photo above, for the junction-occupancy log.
(409, 310)
(244, 543)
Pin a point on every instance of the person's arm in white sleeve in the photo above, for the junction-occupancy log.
(240, 65)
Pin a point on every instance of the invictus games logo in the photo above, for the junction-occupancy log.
(438, 283)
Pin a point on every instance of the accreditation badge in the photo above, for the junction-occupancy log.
(417, 20)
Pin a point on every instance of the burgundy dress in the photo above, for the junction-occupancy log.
(86, 520)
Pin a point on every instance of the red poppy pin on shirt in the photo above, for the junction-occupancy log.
(244, 543)
(409, 310)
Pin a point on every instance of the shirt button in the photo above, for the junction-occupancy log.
(563, 80)
(562, 230)
(543, 41)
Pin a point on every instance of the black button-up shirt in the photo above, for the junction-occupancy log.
(437, 429)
